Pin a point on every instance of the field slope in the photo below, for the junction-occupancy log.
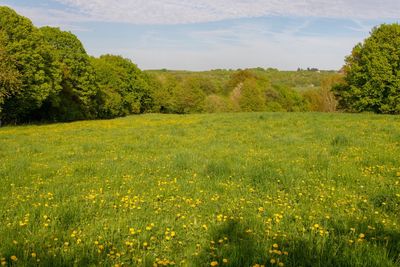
(274, 189)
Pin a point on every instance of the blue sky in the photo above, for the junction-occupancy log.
(212, 34)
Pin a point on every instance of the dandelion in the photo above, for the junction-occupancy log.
(214, 263)
(14, 258)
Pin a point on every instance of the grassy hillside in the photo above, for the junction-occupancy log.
(250, 189)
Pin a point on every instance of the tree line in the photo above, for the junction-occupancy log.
(46, 75)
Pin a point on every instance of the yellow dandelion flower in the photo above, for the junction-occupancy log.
(214, 263)
(14, 258)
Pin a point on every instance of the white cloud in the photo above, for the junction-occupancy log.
(194, 11)
(253, 47)
(53, 17)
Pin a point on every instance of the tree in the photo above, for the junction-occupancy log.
(372, 74)
(32, 59)
(189, 96)
(251, 97)
(322, 99)
(77, 88)
(9, 75)
(124, 89)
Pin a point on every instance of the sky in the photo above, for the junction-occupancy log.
(216, 34)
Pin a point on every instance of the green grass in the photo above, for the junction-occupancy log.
(294, 189)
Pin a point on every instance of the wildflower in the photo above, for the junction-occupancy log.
(14, 258)
(275, 245)
(272, 261)
(33, 254)
(225, 261)
(214, 263)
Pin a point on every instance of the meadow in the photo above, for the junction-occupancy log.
(239, 189)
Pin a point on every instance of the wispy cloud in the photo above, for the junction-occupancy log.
(240, 46)
(191, 11)
(53, 17)
(231, 34)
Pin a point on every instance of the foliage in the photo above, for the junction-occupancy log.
(75, 99)
(372, 73)
(46, 75)
(323, 99)
(189, 95)
(240, 90)
(251, 96)
(9, 75)
(216, 103)
(39, 78)
(124, 89)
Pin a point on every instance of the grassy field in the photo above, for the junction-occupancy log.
(272, 189)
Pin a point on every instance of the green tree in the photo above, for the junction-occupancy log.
(283, 98)
(251, 97)
(322, 99)
(32, 59)
(163, 93)
(189, 96)
(9, 75)
(77, 86)
(124, 89)
(372, 74)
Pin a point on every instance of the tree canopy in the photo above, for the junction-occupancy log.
(46, 74)
(372, 74)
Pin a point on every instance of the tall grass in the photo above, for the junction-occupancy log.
(251, 189)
